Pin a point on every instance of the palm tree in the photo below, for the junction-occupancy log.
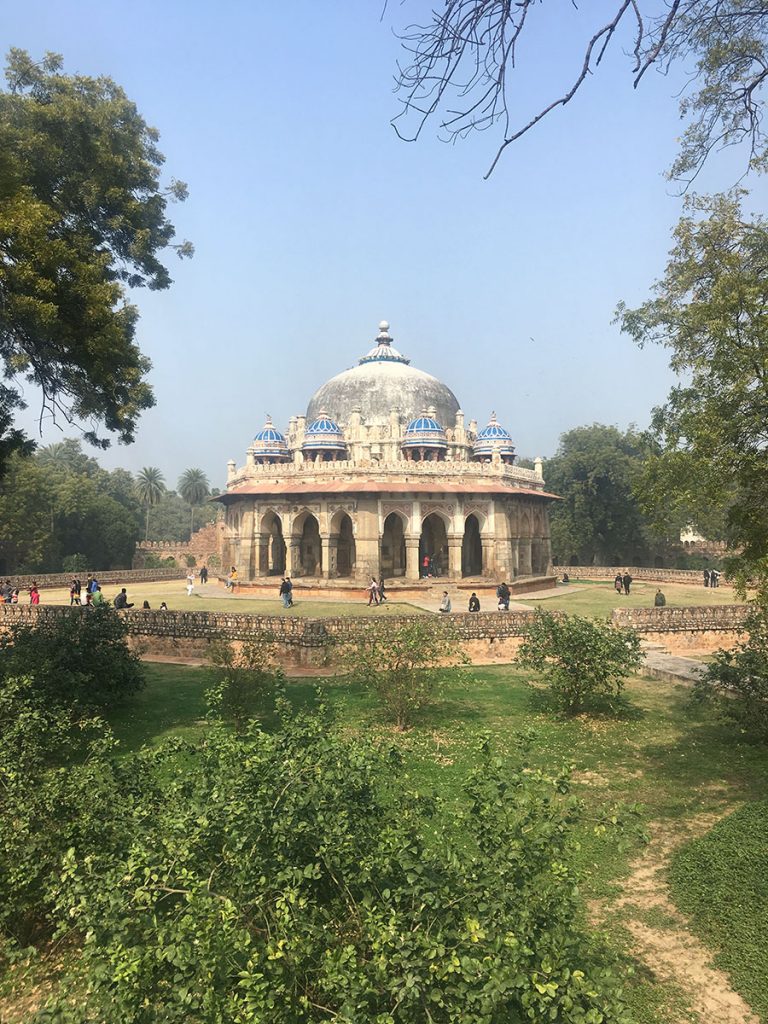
(194, 488)
(150, 484)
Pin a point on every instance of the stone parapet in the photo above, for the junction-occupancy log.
(728, 618)
(123, 577)
(637, 572)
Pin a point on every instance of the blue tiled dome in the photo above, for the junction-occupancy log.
(493, 438)
(424, 432)
(269, 443)
(324, 435)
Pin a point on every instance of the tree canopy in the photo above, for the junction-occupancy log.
(709, 310)
(460, 63)
(82, 219)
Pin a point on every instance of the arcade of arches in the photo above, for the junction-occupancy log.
(457, 536)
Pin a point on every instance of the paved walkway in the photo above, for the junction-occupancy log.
(674, 668)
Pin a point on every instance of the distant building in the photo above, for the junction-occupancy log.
(380, 477)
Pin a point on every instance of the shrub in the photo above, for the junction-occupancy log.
(191, 561)
(245, 680)
(79, 657)
(153, 561)
(405, 666)
(292, 878)
(585, 661)
(75, 563)
(737, 681)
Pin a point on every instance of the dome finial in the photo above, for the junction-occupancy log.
(384, 337)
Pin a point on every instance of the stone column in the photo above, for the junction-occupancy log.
(411, 558)
(263, 540)
(328, 562)
(546, 545)
(454, 558)
(524, 563)
(489, 567)
(293, 557)
(245, 569)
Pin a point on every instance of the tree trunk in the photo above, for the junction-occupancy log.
(146, 531)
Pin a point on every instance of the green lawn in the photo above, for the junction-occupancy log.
(598, 597)
(678, 764)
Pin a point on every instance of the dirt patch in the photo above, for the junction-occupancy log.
(669, 949)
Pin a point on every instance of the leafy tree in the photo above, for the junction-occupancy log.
(150, 485)
(585, 661)
(291, 877)
(77, 659)
(595, 471)
(82, 218)
(194, 489)
(461, 61)
(404, 666)
(736, 681)
(709, 311)
(25, 525)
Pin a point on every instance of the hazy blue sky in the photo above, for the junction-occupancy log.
(312, 221)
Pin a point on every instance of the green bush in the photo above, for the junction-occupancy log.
(294, 878)
(721, 881)
(80, 657)
(191, 561)
(153, 561)
(75, 563)
(246, 680)
(404, 667)
(585, 661)
(737, 681)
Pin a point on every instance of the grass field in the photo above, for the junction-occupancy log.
(683, 767)
(598, 598)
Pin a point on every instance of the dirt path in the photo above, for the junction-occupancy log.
(669, 949)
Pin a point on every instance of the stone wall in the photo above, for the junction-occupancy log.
(727, 617)
(121, 577)
(204, 545)
(599, 572)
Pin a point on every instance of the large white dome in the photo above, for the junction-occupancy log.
(383, 381)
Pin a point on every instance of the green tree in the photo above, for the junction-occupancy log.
(595, 471)
(194, 488)
(82, 218)
(26, 496)
(585, 661)
(150, 485)
(709, 312)
(461, 61)
(404, 665)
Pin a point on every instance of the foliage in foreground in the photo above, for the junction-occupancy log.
(721, 881)
(292, 877)
(404, 666)
(736, 681)
(77, 659)
(584, 660)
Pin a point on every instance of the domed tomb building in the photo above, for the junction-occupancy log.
(382, 476)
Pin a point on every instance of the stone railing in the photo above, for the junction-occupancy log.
(637, 572)
(721, 617)
(123, 577)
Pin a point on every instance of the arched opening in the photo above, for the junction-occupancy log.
(310, 547)
(344, 541)
(272, 546)
(471, 548)
(433, 546)
(393, 546)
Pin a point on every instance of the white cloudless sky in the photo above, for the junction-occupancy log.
(312, 221)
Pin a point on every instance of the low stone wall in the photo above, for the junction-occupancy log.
(121, 577)
(726, 617)
(637, 572)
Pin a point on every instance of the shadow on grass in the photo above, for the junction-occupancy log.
(541, 701)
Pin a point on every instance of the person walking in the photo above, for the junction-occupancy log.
(445, 604)
(425, 567)
(34, 594)
(74, 592)
(706, 577)
(659, 601)
(474, 602)
(285, 593)
(627, 581)
(714, 577)
(289, 584)
(618, 583)
(203, 575)
(121, 601)
(373, 592)
(190, 583)
(382, 591)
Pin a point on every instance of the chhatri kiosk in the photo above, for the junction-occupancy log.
(381, 473)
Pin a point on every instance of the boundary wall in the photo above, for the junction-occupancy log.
(486, 637)
(114, 577)
(637, 572)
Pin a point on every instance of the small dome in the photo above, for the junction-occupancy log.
(323, 435)
(269, 443)
(493, 438)
(424, 432)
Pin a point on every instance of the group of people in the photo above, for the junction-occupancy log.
(286, 592)
(622, 583)
(431, 565)
(376, 591)
(711, 577)
(10, 594)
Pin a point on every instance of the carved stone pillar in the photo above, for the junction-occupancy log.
(489, 567)
(293, 557)
(328, 560)
(454, 557)
(411, 558)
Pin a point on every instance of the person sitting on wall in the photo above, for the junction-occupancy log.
(97, 598)
(445, 604)
(121, 601)
(163, 606)
(659, 600)
(566, 578)
(474, 602)
(146, 607)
